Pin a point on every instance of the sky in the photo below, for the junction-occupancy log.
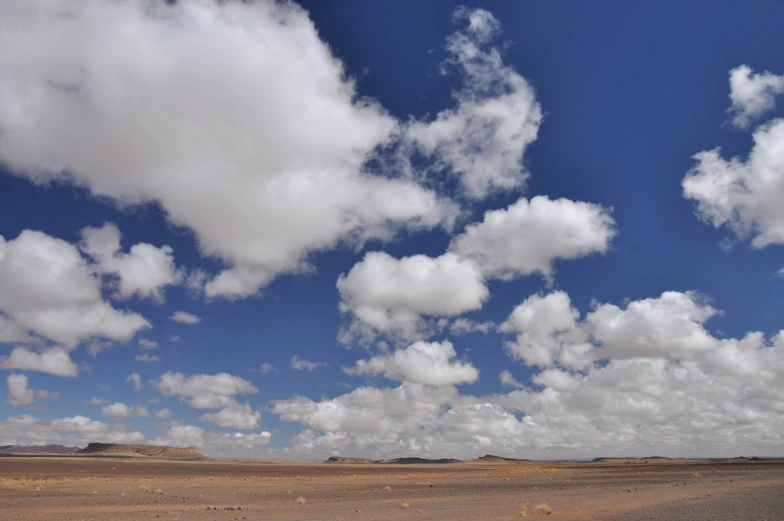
(393, 228)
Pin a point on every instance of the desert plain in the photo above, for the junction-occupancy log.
(76, 488)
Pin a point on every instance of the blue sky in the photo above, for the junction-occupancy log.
(537, 229)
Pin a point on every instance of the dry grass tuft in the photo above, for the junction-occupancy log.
(95, 492)
(301, 500)
(696, 475)
(387, 489)
(144, 488)
(543, 509)
(157, 491)
(523, 510)
(404, 505)
(536, 488)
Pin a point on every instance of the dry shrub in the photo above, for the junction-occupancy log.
(95, 492)
(543, 509)
(301, 500)
(523, 510)
(404, 505)
(568, 480)
(696, 475)
(157, 491)
(387, 489)
(536, 488)
(144, 488)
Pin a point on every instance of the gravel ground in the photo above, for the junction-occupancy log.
(760, 505)
(101, 489)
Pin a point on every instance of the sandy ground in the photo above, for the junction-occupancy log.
(82, 488)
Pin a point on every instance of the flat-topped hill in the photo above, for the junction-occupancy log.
(149, 451)
(394, 461)
(489, 458)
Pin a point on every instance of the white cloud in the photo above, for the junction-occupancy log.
(745, 195)
(215, 443)
(547, 331)
(298, 364)
(80, 95)
(46, 286)
(183, 317)
(507, 380)
(267, 368)
(654, 381)
(97, 401)
(11, 332)
(163, 414)
(136, 380)
(144, 271)
(234, 416)
(182, 436)
(76, 430)
(381, 416)
(79, 424)
(482, 139)
(20, 394)
(388, 296)
(429, 363)
(54, 360)
(115, 411)
(752, 94)
(670, 325)
(462, 326)
(205, 391)
(148, 344)
(120, 411)
(528, 236)
(146, 357)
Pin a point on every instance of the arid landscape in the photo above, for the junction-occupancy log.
(116, 483)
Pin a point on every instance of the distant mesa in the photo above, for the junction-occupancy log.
(394, 461)
(140, 451)
(352, 461)
(489, 458)
(38, 449)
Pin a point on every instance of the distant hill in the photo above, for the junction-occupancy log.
(394, 461)
(352, 461)
(489, 458)
(38, 449)
(141, 451)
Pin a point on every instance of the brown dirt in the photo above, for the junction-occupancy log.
(81, 488)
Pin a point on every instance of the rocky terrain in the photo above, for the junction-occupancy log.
(81, 488)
